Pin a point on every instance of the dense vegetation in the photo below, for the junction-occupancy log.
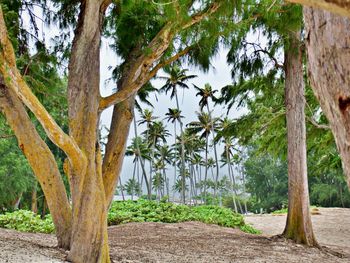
(140, 211)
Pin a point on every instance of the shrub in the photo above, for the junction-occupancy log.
(27, 221)
(140, 211)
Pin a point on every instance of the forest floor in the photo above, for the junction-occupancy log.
(197, 242)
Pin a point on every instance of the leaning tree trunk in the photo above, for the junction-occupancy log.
(41, 160)
(328, 52)
(299, 226)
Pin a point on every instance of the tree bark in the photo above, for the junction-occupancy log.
(299, 226)
(328, 52)
(89, 229)
(340, 7)
(42, 162)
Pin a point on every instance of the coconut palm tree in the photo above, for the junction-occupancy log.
(207, 93)
(140, 151)
(132, 187)
(226, 159)
(177, 78)
(157, 132)
(204, 126)
(142, 96)
(174, 116)
(165, 156)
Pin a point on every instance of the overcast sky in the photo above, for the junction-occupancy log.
(218, 76)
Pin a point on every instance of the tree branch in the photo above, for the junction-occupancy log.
(142, 69)
(122, 95)
(317, 125)
(340, 7)
(13, 80)
(196, 18)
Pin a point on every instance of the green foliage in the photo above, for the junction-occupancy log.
(152, 211)
(27, 221)
(280, 211)
(16, 176)
(267, 181)
(250, 229)
(140, 211)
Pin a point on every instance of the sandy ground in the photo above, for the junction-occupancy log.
(331, 226)
(195, 242)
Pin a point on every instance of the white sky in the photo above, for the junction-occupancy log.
(218, 76)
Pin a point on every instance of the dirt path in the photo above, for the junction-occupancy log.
(331, 226)
(190, 242)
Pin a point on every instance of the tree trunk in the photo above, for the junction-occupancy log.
(34, 204)
(183, 180)
(328, 52)
(215, 152)
(89, 200)
(42, 162)
(299, 226)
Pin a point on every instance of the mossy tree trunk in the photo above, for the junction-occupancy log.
(299, 226)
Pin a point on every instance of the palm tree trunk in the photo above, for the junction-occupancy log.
(182, 152)
(133, 180)
(141, 159)
(206, 168)
(121, 188)
(232, 181)
(215, 151)
(174, 159)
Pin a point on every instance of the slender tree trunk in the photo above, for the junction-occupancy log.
(34, 199)
(231, 179)
(206, 168)
(327, 44)
(17, 201)
(140, 157)
(215, 151)
(174, 160)
(121, 188)
(183, 182)
(299, 226)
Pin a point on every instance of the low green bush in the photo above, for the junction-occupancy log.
(27, 221)
(140, 211)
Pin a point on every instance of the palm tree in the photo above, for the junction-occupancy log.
(157, 132)
(132, 187)
(177, 78)
(205, 125)
(225, 124)
(142, 96)
(140, 151)
(207, 93)
(174, 115)
(148, 118)
(165, 155)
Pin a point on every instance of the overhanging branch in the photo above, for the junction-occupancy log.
(122, 95)
(196, 18)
